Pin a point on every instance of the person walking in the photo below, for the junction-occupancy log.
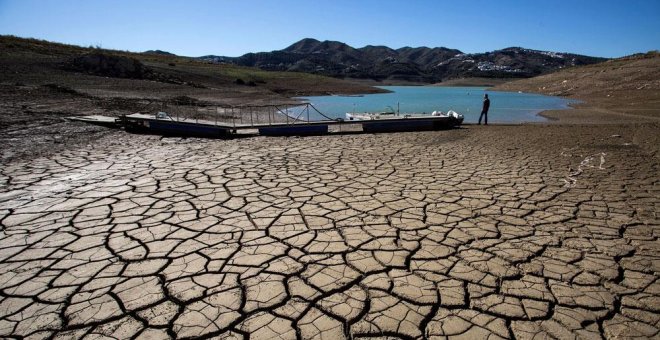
(484, 110)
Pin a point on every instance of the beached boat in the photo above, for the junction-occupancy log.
(394, 115)
(413, 122)
(369, 115)
(450, 113)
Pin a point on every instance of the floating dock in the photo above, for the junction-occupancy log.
(175, 126)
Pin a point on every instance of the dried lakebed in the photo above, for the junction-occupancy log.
(498, 232)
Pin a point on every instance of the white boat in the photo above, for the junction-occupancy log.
(450, 113)
(392, 115)
(372, 115)
(369, 115)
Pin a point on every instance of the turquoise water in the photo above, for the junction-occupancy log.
(505, 107)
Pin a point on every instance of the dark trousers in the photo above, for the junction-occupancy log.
(485, 115)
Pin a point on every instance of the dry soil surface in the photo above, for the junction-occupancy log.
(477, 233)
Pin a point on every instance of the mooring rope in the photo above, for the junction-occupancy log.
(280, 111)
(319, 112)
(307, 106)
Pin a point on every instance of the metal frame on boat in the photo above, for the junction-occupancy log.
(279, 123)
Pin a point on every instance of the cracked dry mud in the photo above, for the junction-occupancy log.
(471, 233)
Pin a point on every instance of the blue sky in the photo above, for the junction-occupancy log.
(604, 28)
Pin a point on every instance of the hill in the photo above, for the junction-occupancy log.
(153, 74)
(416, 64)
(160, 52)
(629, 85)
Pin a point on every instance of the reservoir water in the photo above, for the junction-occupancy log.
(506, 107)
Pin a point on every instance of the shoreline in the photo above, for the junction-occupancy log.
(548, 114)
(31, 116)
(585, 113)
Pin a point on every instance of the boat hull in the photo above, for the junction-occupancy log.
(294, 130)
(369, 116)
(150, 124)
(173, 128)
(411, 124)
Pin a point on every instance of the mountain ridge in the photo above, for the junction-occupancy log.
(420, 64)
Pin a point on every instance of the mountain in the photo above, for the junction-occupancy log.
(215, 59)
(419, 64)
(159, 52)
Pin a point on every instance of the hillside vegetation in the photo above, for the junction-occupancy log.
(110, 73)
